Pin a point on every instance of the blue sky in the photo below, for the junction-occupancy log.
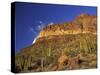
(31, 17)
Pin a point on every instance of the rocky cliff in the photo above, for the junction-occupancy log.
(83, 23)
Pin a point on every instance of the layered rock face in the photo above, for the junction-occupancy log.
(83, 23)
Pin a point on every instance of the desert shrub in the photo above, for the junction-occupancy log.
(72, 53)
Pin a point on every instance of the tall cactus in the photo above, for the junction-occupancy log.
(49, 52)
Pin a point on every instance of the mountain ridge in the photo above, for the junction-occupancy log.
(81, 24)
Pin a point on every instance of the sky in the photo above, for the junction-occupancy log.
(30, 18)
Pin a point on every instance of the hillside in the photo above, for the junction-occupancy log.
(71, 45)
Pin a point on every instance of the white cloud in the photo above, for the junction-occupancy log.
(34, 40)
(33, 31)
(41, 25)
(51, 23)
(40, 22)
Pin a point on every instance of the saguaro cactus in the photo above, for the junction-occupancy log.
(49, 52)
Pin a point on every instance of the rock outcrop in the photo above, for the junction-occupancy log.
(83, 23)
